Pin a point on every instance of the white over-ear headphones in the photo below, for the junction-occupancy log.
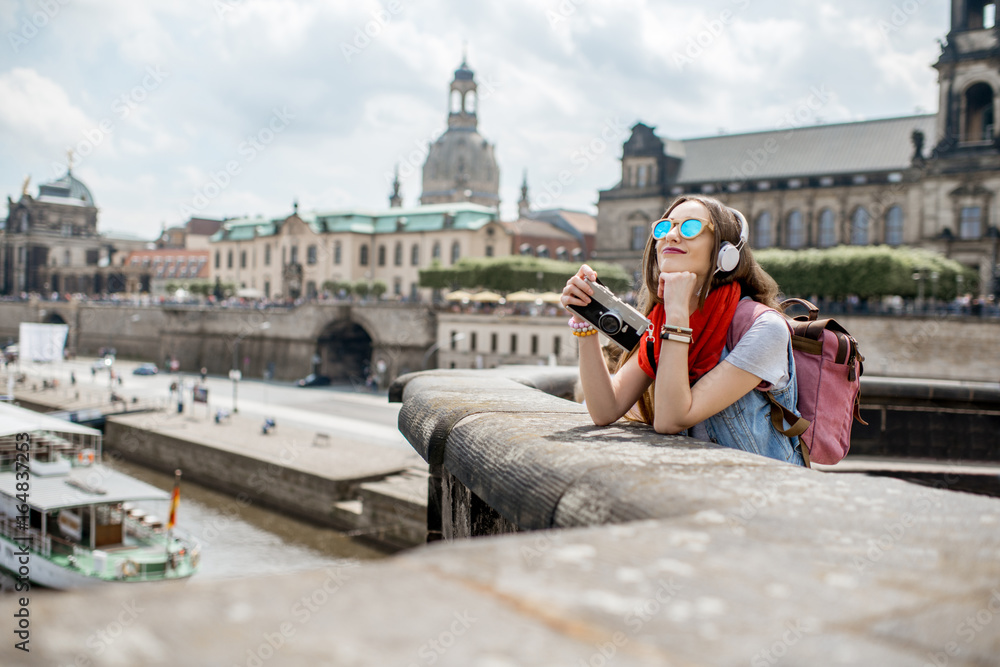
(729, 254)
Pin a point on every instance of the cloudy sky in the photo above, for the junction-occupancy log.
(318, 100)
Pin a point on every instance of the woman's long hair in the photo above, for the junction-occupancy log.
(753, 280)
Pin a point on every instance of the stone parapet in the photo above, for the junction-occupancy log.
(713, 557)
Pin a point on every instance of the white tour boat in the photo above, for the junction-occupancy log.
(86, 524)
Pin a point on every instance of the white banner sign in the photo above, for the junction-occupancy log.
(42, 342)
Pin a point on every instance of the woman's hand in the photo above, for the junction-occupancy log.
(577, 292)
(676, 290)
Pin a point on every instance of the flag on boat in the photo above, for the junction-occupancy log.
(175, 500)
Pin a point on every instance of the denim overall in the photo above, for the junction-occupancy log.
(746, 424)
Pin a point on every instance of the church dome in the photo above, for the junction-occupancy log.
(67, 187)
(461, 165)
(461, 160)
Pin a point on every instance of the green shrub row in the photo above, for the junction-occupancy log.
(516, 272)
(866, 271)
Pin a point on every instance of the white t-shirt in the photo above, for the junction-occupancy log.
(763, 351)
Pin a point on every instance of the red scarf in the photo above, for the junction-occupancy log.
(710, 325)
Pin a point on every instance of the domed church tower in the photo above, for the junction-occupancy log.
(461, 165)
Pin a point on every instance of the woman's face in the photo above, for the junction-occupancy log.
(675, 253)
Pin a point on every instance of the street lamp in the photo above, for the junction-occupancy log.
(455, 337)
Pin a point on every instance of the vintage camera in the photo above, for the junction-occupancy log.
(613, 317)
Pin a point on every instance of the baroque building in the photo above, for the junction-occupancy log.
(292, 257)
(460, 164)
(926, 181)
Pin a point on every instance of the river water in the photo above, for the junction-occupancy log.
(242, 541)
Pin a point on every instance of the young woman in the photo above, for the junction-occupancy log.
(697, 265)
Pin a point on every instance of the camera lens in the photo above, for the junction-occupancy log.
(610, 322)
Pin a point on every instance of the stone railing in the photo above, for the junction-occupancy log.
(714, 557)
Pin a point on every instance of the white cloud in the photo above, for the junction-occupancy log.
(555, 85)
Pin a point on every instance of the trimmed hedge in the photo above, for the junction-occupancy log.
(516, 272)
(865, 271)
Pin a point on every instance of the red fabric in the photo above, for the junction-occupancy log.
(710, 326)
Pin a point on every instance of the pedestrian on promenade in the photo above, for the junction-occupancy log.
(697, 266)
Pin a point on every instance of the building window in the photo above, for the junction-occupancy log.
(68, 258)
(525, 249)
(513, 343)
(894, 226)
(414, 293)
(436, 251)
(67, 229)
(494, 341)
(336, 252)
(397, 286)
(534, 344)
(472, 341)
(311, 254)
(456, 251)
(489, 251)
(267, 289)
(267, 255)
(763, 237)
(859, 226)
(561, 254)
(543, 251)
(639, 235)
(311, 289)
(556, 345)
(243, 259)
(397, 255)
(969, 226)
(796, 230)
(363, 259)
(641, 177)
(284, 256)
(229, 260)
(415, 255)
(381, 255)
(982, 15)
(827, 229)
(454, 342)
(979, 113)
(295, 254)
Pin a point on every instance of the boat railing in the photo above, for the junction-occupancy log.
(36, 541)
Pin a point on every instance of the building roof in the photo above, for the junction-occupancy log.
(203, 226)
(821, 150)
(578, 221)
(75, 489)
(528, 227)
(14, 419)
(68, 187)
(427, 218)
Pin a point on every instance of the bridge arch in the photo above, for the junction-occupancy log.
(344, 352)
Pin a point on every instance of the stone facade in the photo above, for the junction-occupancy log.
(293, 257)
(927, 181)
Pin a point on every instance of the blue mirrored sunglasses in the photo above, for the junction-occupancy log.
(689, 228)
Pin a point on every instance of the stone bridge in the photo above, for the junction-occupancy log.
(339, 339)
